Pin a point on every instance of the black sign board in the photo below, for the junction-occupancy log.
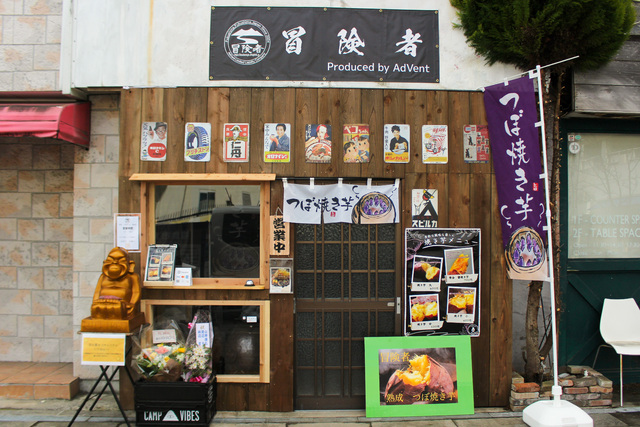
(324, 44)
(442, 281)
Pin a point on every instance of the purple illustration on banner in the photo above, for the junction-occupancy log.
(515, 146)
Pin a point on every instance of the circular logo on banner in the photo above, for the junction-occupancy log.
(247, 42)
(525, 253)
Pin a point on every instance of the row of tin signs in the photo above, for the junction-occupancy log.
(277, 143)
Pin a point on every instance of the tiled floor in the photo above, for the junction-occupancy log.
(32, 380)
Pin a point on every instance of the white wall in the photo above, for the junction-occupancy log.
(165, 43)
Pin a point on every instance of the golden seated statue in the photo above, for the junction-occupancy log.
(116, 301)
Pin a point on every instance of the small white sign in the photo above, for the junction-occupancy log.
(127, 231)
(204, 334)
(183, 277)
(461, 278)
(164, 336)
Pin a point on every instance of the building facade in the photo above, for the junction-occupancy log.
(128, 60)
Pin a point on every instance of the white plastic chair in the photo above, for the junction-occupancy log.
(619, 328)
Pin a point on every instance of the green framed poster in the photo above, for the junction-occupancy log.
(418, 376)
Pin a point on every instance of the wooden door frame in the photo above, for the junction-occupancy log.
(358, 306)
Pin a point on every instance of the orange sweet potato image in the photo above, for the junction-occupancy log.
(460, 265)
(457, 303)
(470, 300)
(414, 384)
(430, 270)
(426, 311)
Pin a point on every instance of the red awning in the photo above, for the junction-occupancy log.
(68, 122)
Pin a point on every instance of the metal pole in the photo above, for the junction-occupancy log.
(556, 390)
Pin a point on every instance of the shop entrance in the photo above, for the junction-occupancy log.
(346, 283)
(600, 235)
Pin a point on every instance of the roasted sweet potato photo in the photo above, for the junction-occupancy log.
(460, 265)
(424, 308)
(423, 380)
(426, 269)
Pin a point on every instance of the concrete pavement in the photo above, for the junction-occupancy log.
(57, 412)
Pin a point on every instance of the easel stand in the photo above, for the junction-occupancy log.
(105, 350)
(108, 378)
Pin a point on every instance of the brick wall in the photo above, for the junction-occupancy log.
(56, 200)
(56, 227)
(581, 385)
(30, 32)
(36, 234)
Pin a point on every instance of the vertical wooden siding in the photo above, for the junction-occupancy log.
(467, 196)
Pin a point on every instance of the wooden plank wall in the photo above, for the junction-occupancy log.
(467, 197)
(613, 89)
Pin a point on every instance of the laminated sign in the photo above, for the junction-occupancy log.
(418, 376)
(442, 281)
(279, 236)
(236, 142)
(317, 143)
(424, 208)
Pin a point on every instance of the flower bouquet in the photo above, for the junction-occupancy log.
(198, 363)
(161, 362)
(159, 353)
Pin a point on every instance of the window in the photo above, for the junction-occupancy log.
(207, 200)
(218, 224)
(241, 339)
(604, 195)
(214, 240)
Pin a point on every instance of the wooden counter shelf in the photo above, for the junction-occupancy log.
(207, 286)
(207, 283)
(203, 178)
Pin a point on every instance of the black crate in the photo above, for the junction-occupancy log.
(161, 403)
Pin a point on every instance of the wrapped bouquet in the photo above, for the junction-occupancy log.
(161, 362)
(159, 353)
(198, 363)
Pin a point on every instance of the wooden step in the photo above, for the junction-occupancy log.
(35, 380)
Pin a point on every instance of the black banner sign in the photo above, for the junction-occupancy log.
(324, 44)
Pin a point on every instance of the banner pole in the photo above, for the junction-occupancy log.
(531, 71)
(557, 412)
(556, 390)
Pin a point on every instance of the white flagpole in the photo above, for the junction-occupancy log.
(556, 412)
(556, 390)
(506, 79)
